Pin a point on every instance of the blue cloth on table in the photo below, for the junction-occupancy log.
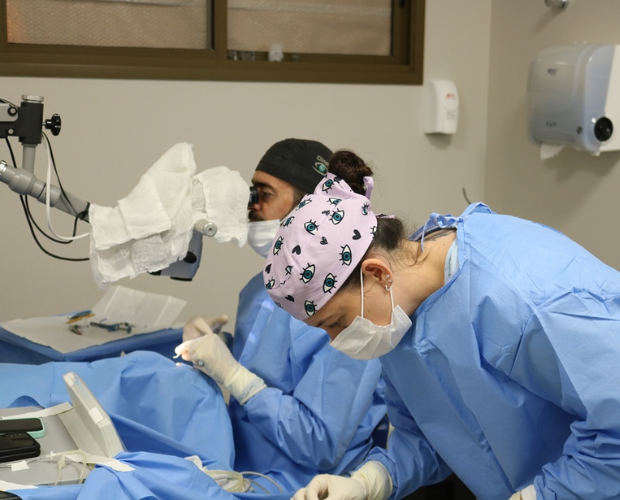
(162, 412)
(16, 349)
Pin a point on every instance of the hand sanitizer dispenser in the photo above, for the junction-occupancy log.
(574, 98)
(441, 107)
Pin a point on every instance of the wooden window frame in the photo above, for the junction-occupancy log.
(404, 66)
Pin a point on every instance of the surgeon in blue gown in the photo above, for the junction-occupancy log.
(298, 407)
(499, 340)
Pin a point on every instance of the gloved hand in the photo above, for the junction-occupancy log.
(197, 326)
(210, 355)
(370, 482)
(331, 487)
(528, 493)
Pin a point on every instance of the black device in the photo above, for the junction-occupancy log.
(18, 445)
(253, 196)
(33, 425)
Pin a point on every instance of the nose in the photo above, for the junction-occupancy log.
(253, 212)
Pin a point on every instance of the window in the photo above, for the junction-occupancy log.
(332, 41)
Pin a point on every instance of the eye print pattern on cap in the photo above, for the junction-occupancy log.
(337, 216)
(308, 273)
(331, 232)
(329, 282)
(310, 307)
(278, 245)
(346, 255)
(320, 167)
(329, 183)
(303, 203)
(311, 227)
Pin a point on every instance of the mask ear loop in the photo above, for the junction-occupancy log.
(389, 289)
(362, 289)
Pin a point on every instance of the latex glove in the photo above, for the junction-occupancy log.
(331, 487)
(197, 326)
(370, 482)
(528, 493)
(210, 355)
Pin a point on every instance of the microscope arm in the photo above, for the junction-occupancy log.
(26, 183)
(26, 122)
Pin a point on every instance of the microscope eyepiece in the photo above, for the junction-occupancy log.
(253, 196)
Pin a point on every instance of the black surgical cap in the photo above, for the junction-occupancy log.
(299, 162)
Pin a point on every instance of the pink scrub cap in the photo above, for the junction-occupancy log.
(318, 246)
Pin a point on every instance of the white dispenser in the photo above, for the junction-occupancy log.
(574, 98)
(441, 107)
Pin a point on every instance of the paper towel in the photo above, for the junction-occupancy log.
(548, 151)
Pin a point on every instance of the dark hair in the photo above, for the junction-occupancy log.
(298, 194)
(389, 236)
(390, 232)
(351, 168)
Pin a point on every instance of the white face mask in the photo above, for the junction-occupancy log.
(362, 339)
(261, 234)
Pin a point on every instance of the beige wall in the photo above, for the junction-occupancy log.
(113, 130)
(573, 192)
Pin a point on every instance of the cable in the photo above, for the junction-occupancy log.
(46, 252)
(48, 208)
(235, 482)
(2, 99)
(30, 219)
(465, 196)
(62, 189)
(61, 463)
(254, 483)
(26, 205)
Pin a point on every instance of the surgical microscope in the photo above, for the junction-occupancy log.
(26, 123)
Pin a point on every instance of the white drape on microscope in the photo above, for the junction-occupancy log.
(151, 227)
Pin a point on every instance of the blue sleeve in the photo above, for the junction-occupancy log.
(569, 356)
(333, 405)
(410, 459)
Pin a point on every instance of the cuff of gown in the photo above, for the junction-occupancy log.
(243, 384)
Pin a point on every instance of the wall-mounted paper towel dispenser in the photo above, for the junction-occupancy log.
(574, 97)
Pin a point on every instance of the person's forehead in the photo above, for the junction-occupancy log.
(336, 307)
(263, 178)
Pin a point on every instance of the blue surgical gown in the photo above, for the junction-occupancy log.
(508, 376)
(320, 408)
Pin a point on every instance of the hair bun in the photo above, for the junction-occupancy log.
(350, 167)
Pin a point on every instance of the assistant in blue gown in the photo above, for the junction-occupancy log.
(509, 375)
(320, 407)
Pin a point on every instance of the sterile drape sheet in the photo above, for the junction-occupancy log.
(162, 412)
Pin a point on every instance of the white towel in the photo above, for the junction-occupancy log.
(225, 198)
(151, 227)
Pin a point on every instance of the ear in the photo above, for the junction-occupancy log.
(376, 271)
